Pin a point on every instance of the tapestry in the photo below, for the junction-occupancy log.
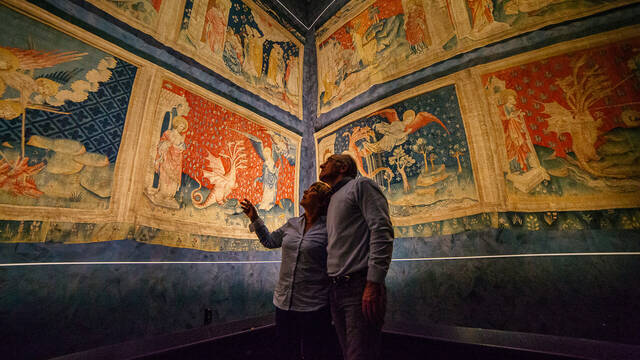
(144, 14)
(567, 123)
(63, 108)
(61, 232)
(370, 42)
(414, 145)
(205, 155)
(609, 219)
(268, 8)
(238, 40)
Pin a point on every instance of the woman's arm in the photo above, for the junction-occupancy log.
(269, 240)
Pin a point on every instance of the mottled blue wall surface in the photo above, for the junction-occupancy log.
(575, 296)
(310, 112)
(53, 310)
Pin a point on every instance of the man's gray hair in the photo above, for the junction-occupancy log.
(352, 169)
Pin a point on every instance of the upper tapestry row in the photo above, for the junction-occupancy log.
(238, 39)
(370, 42)
(367, 42)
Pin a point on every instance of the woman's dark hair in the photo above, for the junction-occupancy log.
(324, 190)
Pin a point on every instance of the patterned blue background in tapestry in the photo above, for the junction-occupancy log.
(97, 122)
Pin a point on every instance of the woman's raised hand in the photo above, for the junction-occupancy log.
(249, 210)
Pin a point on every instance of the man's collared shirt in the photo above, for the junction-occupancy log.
(360, 231)
(303, 284)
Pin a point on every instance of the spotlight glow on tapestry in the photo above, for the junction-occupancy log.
(206, 157)
(569, 125)
(240, 41)
(63, 106)
(370, 42)
(415, 149)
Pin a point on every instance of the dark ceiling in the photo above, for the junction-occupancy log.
(306, 10)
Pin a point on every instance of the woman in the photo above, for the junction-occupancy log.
(301, 296)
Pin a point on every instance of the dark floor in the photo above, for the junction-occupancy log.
(259, 344)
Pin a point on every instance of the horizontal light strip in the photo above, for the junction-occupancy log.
(519, 256)
(632, 253)
(141, 263)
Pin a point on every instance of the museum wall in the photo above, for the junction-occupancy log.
(491, 131)
(128, 136)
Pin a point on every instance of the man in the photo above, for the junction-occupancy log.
(360, 242)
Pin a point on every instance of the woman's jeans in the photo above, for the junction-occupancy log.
(306, 333)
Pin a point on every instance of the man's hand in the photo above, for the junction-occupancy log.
(374, 303)
(249, 210)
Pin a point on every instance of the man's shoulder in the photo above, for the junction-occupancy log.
(355, 186)
(361, 179)
(364, 181)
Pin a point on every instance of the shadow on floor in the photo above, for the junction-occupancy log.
(259, 344)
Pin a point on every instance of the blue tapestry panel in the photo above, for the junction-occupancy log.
(97, 122)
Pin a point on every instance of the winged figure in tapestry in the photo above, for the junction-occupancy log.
(58, 147)
(396, 131)
(421, 161)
